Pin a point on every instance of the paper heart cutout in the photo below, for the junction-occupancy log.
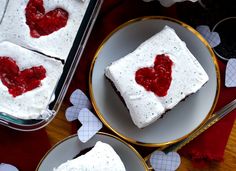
(157, 78)
(90, 125)
(3, 8)
(165, 162)
(79, 101)
(212, 38)
(230, 77)
(42, 23)
(19, 82)
(7, 167)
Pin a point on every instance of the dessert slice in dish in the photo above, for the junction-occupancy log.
(100, 158)
(156, 76)
(28, 80)
(47, 26)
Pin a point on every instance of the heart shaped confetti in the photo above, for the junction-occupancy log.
(3, 8)
(165, 162)
(7, 167)
(230, 77)
(79, 101)
(90, 125)
(19, 82)
(42, 23)
(213, 38)
(157, 78)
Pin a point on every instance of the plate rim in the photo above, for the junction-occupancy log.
(213, 30)
(99, 133)
(188, 27)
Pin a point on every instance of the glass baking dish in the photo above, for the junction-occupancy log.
(65, 79)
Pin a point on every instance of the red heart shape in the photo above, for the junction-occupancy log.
(41, 23)
(19, 82)
(158, 78)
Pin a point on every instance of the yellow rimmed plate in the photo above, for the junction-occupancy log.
(176, 124)
(70, 147)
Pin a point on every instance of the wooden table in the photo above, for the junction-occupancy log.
(60, 128)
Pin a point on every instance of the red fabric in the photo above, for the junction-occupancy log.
(23, 149)
(208, 146)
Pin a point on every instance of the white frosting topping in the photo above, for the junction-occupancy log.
(31, 104)
(188, 76)
(56, 44)
(102, 157)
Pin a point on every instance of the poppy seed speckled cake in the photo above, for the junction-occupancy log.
(28, 80)
(46, 26)
(36, 37)
(156, 76)
(100, 158)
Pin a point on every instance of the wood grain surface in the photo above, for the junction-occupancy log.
(60, 128)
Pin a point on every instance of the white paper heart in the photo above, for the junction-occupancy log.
(213, 38)
(7, 167)
(79, 101)
(90, 125)
(230, 77)
(165, 162)
(3, 8)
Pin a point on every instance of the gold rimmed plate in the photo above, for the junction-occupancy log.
(71, 147)
(176, 124)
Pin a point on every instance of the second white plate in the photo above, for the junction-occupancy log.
(70, 147)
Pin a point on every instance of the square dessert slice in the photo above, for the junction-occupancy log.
(156, 76)
(27, 81)
(47, 26)
(101, 157)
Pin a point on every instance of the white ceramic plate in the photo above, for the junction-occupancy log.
(182, 119)
(70, 147)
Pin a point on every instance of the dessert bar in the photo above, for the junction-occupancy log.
(156, 76)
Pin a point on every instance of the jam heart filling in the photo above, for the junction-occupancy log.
(19, 82)
(157, 78)
(41, 23)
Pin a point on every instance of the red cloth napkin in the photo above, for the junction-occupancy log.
(208, 146)
(23, 149)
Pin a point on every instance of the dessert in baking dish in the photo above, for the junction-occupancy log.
(46, 26)
(100, 158)
(156, 76)
(27, 81)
